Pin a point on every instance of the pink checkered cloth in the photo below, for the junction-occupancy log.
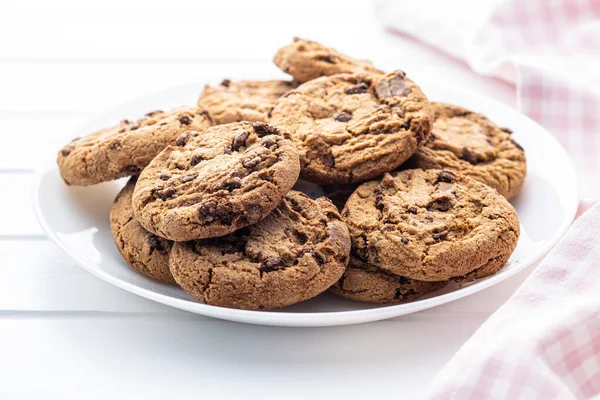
(550, 49)
(544, 343)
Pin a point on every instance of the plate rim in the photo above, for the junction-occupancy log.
(322, 318)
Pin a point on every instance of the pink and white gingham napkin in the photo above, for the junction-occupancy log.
(550, 49)
(544, 343)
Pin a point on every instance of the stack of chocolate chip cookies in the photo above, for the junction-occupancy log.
(418, 190)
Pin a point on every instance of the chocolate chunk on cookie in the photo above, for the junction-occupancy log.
(350, 128)
(144, 251)
(298, 251)
(431, 225)
(125, 149)
(213, 183)
(469, 143)
(364, 282)
(306, 60)
(234, 101)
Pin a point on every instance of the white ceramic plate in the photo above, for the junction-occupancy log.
(76, 219)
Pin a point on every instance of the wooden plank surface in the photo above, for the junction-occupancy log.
(17, 219)
(30, 140)
(38, 277)
(180, 356)
(178, 30)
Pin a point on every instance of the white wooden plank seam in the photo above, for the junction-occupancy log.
(125, 60)
(24, 237)
(54, 314)
(32, 113)
(17, 170)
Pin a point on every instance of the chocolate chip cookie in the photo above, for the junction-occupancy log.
(212, 183)
(125, 149)
(469, 143)
(431, 225)
(233, 101)
(144, 251)
(364, 282)
(298, 251)
(354, 127)
(306, 60)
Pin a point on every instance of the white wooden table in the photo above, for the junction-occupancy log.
(66, 334)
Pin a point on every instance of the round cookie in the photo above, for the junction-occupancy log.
(233, 101)
(144, 251)
(364, 282)
(354, 127)
(469, 143)
(215, 182)
(125, 149)
(306, 60)
(298, 251)
(431, 225)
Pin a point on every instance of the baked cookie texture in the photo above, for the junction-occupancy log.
(212, 183)
(306, 60)
(233, 101)
(144, 251)
(469, 143)
(125, 149)
(364, 282)
(350, 128)
(298, 251)
(431, 225)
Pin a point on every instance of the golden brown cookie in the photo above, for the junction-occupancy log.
(354, 127)
(144, 251)
(234, 101)
(306, 60)
(125, 149)
(212, 183)
(298, 251)
(365, 282)
(431, 225)
(469, 143)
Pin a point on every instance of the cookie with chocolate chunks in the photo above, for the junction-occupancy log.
(125, 149)
(471, 144)
(233, 101)
(350, 128)
(306, 60)
(298, 251)
(431, 225)
(364, 282)
(212, 183)
(144, 251)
